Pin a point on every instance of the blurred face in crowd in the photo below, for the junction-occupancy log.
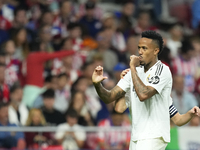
(48, 103)
(132, 46)
(109, 22)
(82, 85)
(62, 82)
(47, 18)
(78, 101)
(45, 34)
(16, 96)
(196, 45)
(144, 20)
(36, 117)
(178, 84)
(71, 120)
(21, 18)
(4, 115)
(195, 121)
(66, 8)
(67, 45)
(67, 61)
(2, 74)
(176, 32)
(2, 59)
(75, 33)
(21, 36)
(128, 9)
(89, 71)
(10, 47)
(90, 13)
(103, 41)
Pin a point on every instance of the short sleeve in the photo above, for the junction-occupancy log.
(81, 135)
(127, 99)
(124, 83)
(160, 78)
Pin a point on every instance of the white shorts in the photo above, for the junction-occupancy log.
(148, 144)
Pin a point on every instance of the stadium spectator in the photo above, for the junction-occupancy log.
(113, 139)
(4, 90)
(65, 16)
(98, 11)
(69, 64)
(126, 20)
(110, 58)
(75, 33)
(174, 41)
(143, 23)
(51, 115)
(92, 98)
(18, 112)
(35, 63)
(45, 37)
(20, 21)
(78, 103)
(20, 18)
(9, 140)
(185, 64)
(33, 139)
(117, 39)
(91, 24)
(5, 24)
(182, 99)
(62, 94)
(69, 139)
(13, 66)
(21, 44)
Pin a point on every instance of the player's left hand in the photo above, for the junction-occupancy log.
(134, 61)
(195, 111)
(124, 72)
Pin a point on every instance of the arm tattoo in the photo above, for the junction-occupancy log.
(140, 88)
(109, 96)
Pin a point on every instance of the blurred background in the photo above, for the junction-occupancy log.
(47, 100)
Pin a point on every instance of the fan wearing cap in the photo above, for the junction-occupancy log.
(91, 24)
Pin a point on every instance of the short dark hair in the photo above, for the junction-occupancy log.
(186, 46)
(14, 87)
(49, 93)
(20, 8)
(63, 75)
(155, 37)
(3, 104)
(71, 112)
(2, 65)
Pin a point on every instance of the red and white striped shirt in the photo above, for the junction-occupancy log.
(187, 69)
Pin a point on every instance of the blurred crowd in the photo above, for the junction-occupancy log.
(48, 52)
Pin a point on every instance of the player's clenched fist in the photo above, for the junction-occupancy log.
(134, 61)
(97, 75)
(195, 111)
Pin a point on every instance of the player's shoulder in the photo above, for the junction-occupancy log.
(161, 69)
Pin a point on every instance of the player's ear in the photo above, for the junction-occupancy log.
(156, 51)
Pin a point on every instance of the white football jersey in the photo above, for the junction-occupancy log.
(151, 118)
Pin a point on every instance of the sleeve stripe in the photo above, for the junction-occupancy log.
(157, 70)
(172, 110)
(161, 70)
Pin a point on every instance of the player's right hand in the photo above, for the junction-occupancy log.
(124, 72)
(195, 111)
(97, 75)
